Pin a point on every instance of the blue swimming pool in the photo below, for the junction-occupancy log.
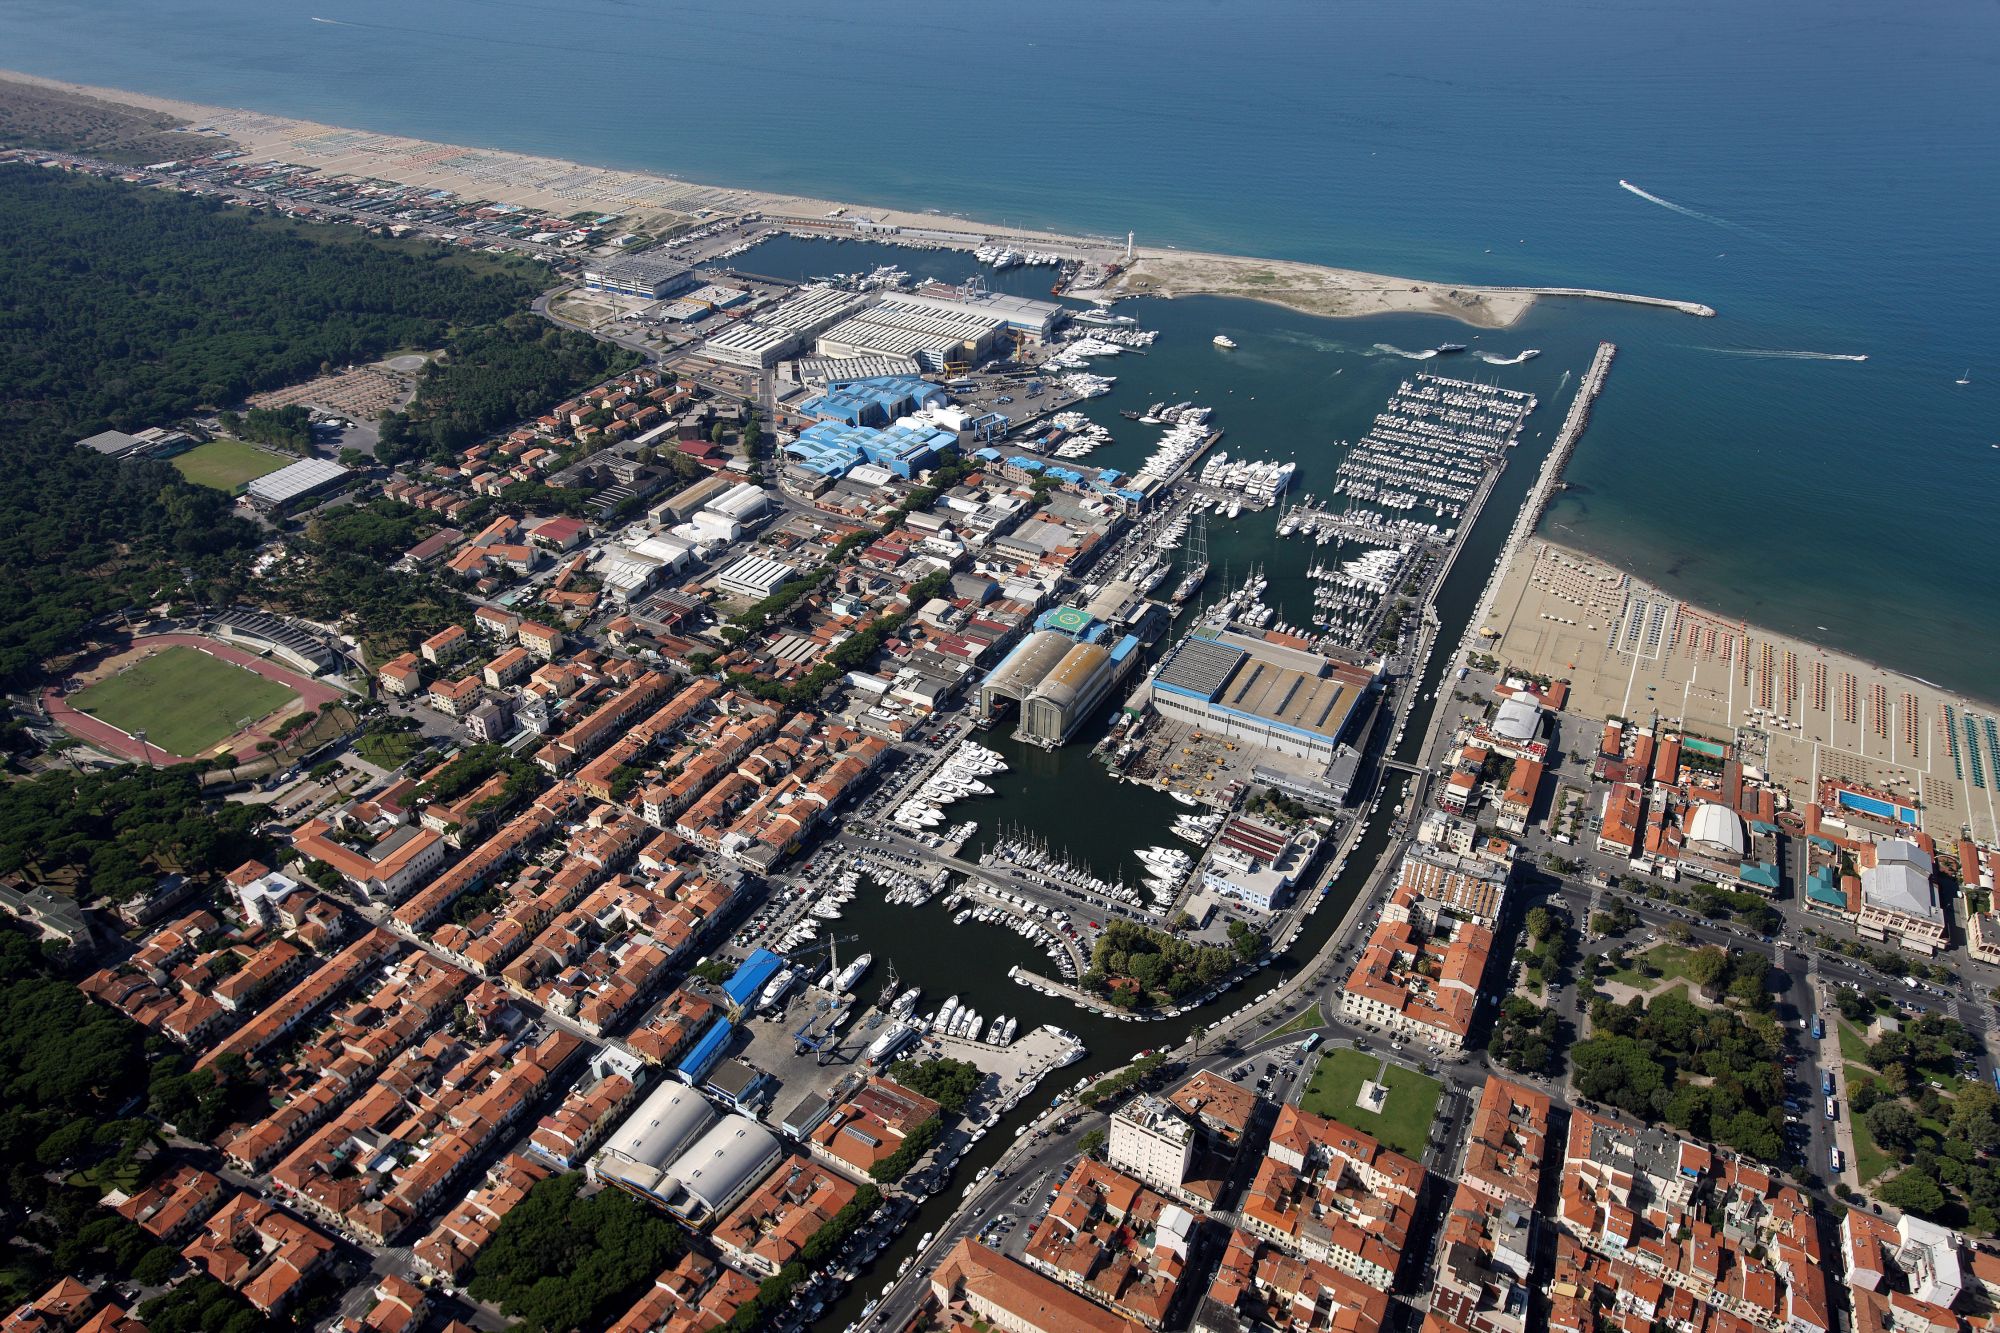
(1876, 806)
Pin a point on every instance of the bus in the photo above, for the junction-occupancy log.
(1819, 1027)
(1826, 1083)
(1312, 1040)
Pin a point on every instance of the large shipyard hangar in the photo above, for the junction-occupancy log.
(1056, 681)
(1283, 699)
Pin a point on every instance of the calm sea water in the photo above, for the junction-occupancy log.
(1827, 170)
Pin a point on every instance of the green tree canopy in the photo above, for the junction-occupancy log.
(561, 1261)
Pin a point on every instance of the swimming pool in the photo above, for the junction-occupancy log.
(1876, 806)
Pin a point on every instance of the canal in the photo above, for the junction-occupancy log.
(1294, 388)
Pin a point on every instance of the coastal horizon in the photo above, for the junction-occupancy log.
(793, 669)
(1310, 288)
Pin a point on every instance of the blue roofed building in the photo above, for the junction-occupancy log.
(833, 449)
(872, 402)
(710, 1049)
(757, 969)
(1823, 891)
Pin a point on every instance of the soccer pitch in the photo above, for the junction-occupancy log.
(183, 699)
(226, 465)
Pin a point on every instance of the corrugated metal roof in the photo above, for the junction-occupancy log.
(757, 969)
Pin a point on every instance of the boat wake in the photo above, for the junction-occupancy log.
(333, 22)
(1388, 350)
(1309, 342)
(1682, 209)
(1780, 354)
(1514, 360)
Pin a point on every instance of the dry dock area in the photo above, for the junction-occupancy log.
(769, 1044)
(1805, 713)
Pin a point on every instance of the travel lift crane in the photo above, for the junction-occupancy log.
(817, 1033)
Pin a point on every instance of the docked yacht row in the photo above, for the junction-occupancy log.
(900, 887)
(1172, 414)
(1021, 920)
(1086, 385)
(1168, 869)
(1198, 829)
(1005, 257)
(1081, 436)
(956, 779)
(1311, 518)
(1261, 483)
(1035, 862)
(955, 1020)
(1176, 447)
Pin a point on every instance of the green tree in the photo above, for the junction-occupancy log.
(1892, 1125)
(1975, 1117)
(949, 1083)
(1707, 968)
(1913, 1192)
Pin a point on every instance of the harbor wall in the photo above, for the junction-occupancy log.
(1544, 488)
(1593, 294)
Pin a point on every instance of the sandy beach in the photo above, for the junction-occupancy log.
(653, 202)
(1802, 712)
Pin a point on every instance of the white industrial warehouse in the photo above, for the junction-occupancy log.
(678, 1152)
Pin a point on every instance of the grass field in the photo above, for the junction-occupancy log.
(183, 699)
(1869, 1160)
(226, 465)
(388, 749)
(1310, 1017)
(1670, 959)
(1853, 1046)
(1406, 1117)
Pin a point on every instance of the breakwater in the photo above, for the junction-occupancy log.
(1546, 481)
(1626, 298)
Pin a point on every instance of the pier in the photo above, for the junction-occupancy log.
(1545, 485)
(1572, 430)
(1593, 294)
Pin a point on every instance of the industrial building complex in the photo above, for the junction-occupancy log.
(1058, 676)
(1283, 699)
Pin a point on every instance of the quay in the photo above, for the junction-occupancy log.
(978, 891)
(1572, 430)
(1544, 489)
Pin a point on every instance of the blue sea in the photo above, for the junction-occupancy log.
(1823, 175)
